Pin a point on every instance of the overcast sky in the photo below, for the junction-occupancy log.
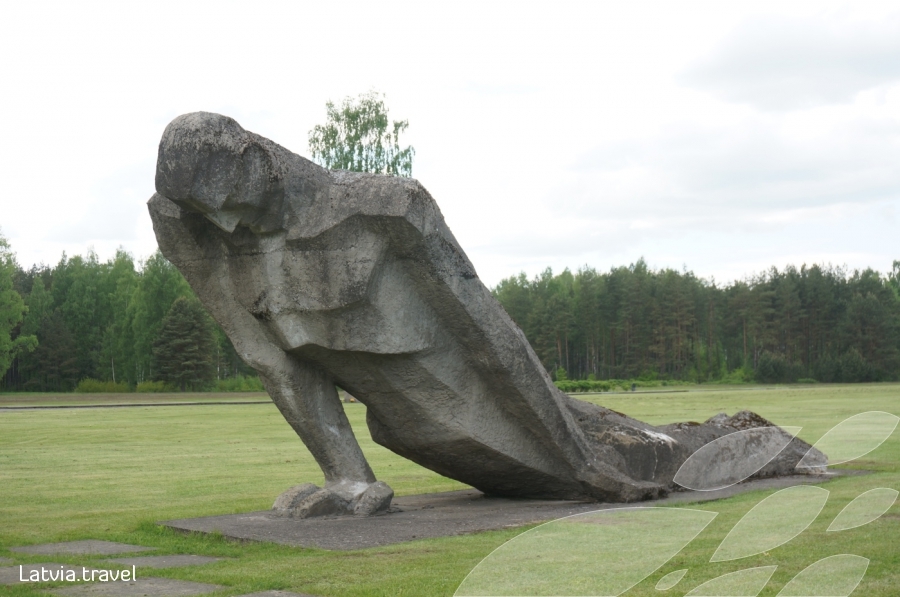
(726, 137)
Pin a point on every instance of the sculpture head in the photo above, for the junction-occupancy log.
(208, 163)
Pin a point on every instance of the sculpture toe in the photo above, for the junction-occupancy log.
(308, 501)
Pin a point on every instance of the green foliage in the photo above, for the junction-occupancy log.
(81, 301)
(357, 137)
(228, 364)
(775, 368)
(117, 354)
(98, 320)
(40, 306)
(159, 286)
(853, 368)
(152, 387)
(183, 349)
(561, 375)
(241, 383)
(572, 386)
(648, 375)
(12, 310)
(93, 386)
(850, 367)
(53, 366)
(776, 327)
(583, 385)
(894, 277)
(738, 376)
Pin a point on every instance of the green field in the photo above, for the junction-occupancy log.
(111, 473)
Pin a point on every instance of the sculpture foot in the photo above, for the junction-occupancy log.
(339, 499)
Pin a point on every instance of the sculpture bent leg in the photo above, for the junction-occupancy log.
(308, 399)
(303, 393)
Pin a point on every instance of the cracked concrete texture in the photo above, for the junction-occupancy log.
(170, 561)
(277, 594)
(415, 517)
(143, 587)
(85, 547)
(329, 277)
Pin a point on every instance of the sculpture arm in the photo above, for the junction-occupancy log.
(304, 394)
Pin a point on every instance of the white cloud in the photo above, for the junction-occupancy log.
(789, 63)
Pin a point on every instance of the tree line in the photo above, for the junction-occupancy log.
(116, 324)
(818, 323)
(139, 326)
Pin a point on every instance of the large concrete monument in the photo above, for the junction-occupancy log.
(327, 277)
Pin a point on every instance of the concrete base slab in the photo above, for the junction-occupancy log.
(14, 574)
(164, 561)
(142, 587)
(277, 594)
(435, 515)
(87, 547)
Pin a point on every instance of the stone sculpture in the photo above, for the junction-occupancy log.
(325, 277)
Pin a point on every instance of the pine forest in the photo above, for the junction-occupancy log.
(119, 325)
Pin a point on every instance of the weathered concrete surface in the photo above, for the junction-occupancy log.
(142, 587)
(432, 515)
(277, 594)
(86, 547)
(322, 278)
(173, 561)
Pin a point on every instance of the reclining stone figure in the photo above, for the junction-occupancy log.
(325, 277)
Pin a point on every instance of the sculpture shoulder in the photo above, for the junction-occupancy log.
(358, 195)
(401, 210)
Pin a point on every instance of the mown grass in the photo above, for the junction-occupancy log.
(112, 473)
(18, 399)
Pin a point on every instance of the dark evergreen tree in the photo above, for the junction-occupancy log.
(12, 310)
(227, 362)
(101, 320)
(779, 326)
(185, 349)
(53, 366)
(160, 284)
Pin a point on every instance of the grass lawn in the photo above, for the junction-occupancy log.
(111, 473)
(14, 399)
